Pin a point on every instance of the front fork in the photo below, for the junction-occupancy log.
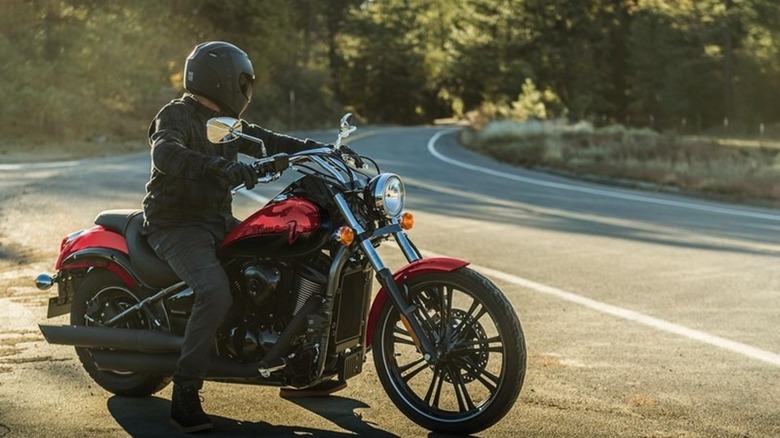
(385, 277)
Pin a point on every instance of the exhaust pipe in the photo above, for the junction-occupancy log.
(116, 338)
(138, 344)
(144, 351)
(165, 364)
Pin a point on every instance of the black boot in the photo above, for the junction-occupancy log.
(186, 412)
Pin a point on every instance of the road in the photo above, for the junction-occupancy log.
(645, 314)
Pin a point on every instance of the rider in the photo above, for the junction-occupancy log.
(187, 208)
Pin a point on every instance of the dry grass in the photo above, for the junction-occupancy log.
(692, 165)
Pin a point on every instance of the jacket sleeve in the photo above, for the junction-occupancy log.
(274, 142)
(168, 137)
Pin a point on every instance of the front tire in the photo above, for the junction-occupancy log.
(481, 347)
(98, 297)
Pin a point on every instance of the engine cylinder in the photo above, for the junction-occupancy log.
(260, 282)
(307, 283)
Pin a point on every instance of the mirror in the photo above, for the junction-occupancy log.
(344, 127)
(222, 129)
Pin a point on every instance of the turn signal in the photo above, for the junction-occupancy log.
(407, 221)
(346, 236)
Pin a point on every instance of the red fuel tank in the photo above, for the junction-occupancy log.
(286, 228)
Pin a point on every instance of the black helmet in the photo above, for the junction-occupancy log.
(220, 72)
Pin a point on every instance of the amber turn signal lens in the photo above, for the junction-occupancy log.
(346, 236)
(407, 221)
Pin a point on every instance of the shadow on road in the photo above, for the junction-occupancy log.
(150, 417)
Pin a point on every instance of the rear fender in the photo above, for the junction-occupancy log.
(418, 267)
(73, 268)
(112, 261)
(99, 248)
(92, 238)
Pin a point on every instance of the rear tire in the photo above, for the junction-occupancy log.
(99, 296)
(479, 340)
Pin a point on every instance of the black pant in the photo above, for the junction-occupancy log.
(191, 253)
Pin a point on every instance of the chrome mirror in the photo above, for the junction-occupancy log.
(223, 129)
(345, 129)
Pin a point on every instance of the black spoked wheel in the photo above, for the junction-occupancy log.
(481, 350)
(98, 298)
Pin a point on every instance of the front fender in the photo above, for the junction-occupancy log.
(418, 267)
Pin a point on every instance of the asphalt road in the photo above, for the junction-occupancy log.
(645, 315)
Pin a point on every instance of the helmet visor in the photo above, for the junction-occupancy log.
(246, 84)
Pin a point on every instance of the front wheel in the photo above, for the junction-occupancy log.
(481, 349)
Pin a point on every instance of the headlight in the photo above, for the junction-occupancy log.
(388, 194)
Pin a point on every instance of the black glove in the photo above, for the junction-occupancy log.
(235, 172)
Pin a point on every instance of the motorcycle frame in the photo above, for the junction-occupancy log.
(101, 248)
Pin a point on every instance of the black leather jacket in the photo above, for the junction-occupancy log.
(181, 191)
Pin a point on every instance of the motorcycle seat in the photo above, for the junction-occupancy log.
(115, 220)
(153, 270)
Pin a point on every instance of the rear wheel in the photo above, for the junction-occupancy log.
(481, 349)
(99, 297)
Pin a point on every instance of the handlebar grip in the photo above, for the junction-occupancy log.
(281, 162)
(275, 164)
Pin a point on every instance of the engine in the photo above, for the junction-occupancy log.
(265, 298)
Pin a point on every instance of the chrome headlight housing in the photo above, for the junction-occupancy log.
(387, 194)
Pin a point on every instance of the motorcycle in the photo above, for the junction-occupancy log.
(447, 345)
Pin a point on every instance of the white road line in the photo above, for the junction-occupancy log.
(51, 165)
(594, 191)
(630, 315)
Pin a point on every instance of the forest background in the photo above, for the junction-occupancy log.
(682, 65)
(643, 76)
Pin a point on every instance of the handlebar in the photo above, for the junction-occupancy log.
(226, 129)
(280, 162)
(271, 168)
(274, 164)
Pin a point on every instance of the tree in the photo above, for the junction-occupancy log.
(70, 62)
(386, 79)
(653, 62)
(491, 51)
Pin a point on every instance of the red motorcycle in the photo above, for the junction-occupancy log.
(447, 344)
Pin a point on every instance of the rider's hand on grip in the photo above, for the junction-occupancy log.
(280, 163)
(275, 164)
(238, 173)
